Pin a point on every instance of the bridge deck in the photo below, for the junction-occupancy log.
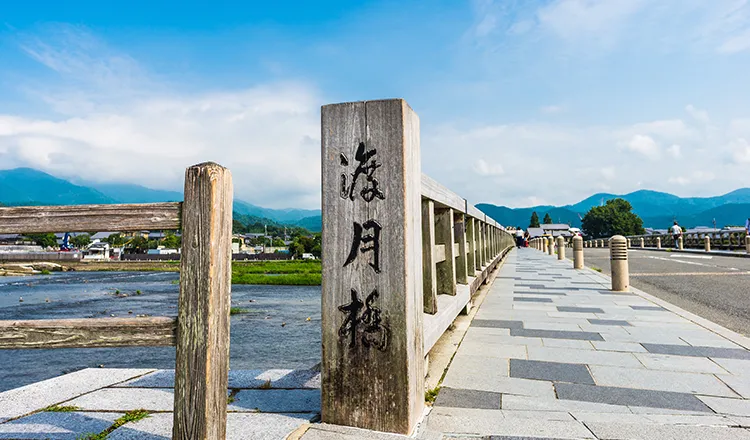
(552, 353)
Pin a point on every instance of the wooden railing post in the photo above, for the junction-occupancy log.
(472, 240)
(372, 302)
(429, 267)
(202, 361)
(444, 235)
(462, 270)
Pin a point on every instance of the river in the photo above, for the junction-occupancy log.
(275, 333)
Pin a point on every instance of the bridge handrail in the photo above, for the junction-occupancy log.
(201, 330)
(724, 240)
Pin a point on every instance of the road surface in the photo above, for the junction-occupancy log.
(714, 287)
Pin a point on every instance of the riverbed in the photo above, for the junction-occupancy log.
(273, 333)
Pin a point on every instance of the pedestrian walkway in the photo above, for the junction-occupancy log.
(552, 353)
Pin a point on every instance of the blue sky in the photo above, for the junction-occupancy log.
(617, 95)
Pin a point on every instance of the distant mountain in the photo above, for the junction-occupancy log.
(657, 209)
(313, 224)
(26, 186)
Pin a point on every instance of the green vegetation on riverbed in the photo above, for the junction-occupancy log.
(289, 273)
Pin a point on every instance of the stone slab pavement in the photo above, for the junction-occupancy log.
(554, 354)
(262, 404)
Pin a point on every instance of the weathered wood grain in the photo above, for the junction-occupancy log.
(429, 270)
(86, 218)
(441, 195)
(474, 212)
(444, 234)
(439, 250)
(367, 383)
(87, 333)
(459, 230)
(202, 360)
(471, 239)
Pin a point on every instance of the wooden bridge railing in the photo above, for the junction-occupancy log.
(402, 256)
(201, 330)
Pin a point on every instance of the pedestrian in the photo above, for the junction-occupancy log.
(747, 226)
(519, 237)
(676, 234)
(526, 238)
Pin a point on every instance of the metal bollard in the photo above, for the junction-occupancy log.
(658, 242)
(618, 261)
(643, 243)
(550, 245)
(680, 243)
(560, 248)
(577, 252)
(707, 243)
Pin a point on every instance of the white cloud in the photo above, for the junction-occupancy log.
(644, 145)
(267, 134)
(573, 19)
(697, 114)
(740, 149)
(550, 109)
(609, 173)
(486, 169)
(679, 180)
(675, 151)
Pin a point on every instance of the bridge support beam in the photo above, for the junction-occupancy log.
(372, 321)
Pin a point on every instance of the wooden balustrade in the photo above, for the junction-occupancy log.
(402, 256)
(201, 330)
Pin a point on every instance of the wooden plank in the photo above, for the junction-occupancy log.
(372, 360)
(444, 197)
(202, 360)
(88, 333)
(472, 244)
(439, 250)
(429, 262)
(446, 270)
(462, 269)
(87, 218)
(474, 212)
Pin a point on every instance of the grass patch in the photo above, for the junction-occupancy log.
(266, 385)
(238, 311)
(277, 267)
(58, 408)
(596, 268)
(295, 279)
(130, 416)
(431, 395)
(45, 272)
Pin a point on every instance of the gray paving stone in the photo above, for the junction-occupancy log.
(324, 431)
(740, 384)
(57, 425)
(526, 299)
(240, 426)
(496, 323)
(551, 371)
(532, 292)
(498, 384)
(688, 350)
(738, 367)
(620, 431)
(649, 308)
(737, 407)
(276, 378)
(629, 397)
(276, 401)
(680, 382)
(20, 401)
(461, 398)
(568, 343)
(494, 423)
(589, 357)
(630, 347)
(609, 322)
(679, 363)
(570, 309)
(511, 402)
(126, 399)
(492, 349)
(555, 334)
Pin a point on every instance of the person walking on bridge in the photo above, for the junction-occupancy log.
(519, 237)
(747, 226)
(676, 234)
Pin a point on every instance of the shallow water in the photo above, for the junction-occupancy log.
(258, 339)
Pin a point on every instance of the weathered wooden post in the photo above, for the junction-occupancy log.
(462, 267)
(373, 360)
(429, 264)
(472, 241)
(445, 237)
(202, 360)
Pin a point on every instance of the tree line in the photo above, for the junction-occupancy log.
(615, 217)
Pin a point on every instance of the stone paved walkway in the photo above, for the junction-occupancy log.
(554, 354)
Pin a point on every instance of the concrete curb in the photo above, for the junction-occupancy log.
(733, 336)
(694, 251)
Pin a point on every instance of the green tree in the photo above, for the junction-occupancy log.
(138, 244)
(115, 240)
(547, 219)
(277, 242)
(614, 218)
(534, 222)
(172, 241)
(305, 244)
(81, 241)
(43, 240)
